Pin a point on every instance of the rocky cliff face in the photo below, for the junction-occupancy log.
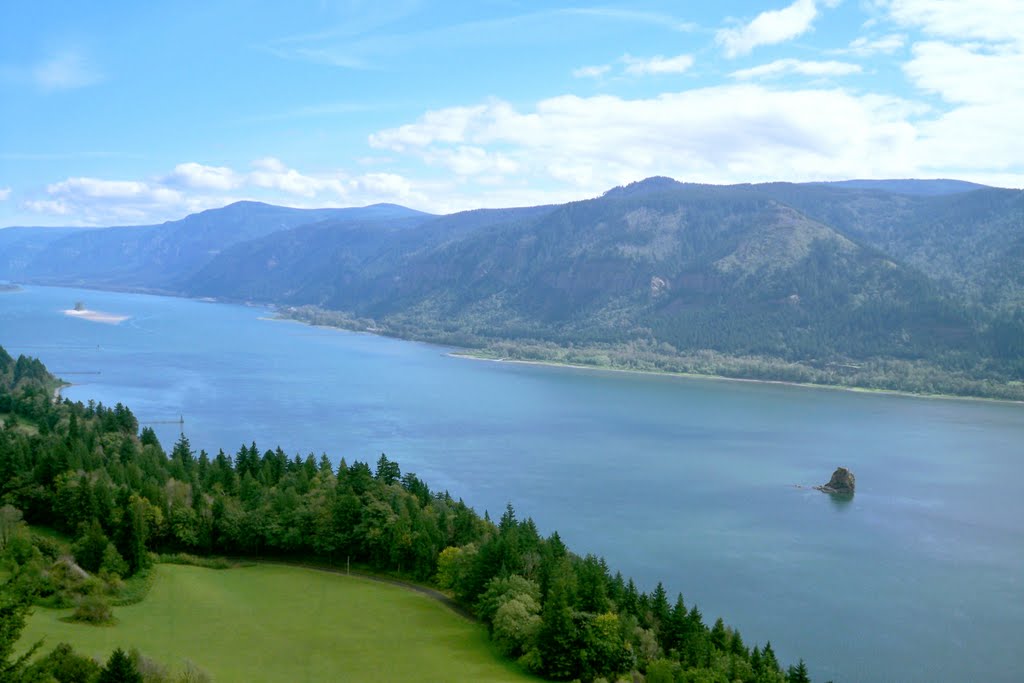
(842, 483)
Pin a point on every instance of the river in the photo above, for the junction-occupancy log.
(688, 481)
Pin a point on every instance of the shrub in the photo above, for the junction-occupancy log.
(65, 665)
(112, 562)
(93, 609)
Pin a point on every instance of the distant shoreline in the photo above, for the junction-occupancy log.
(722, 378)
(462, 352)
(96, 316)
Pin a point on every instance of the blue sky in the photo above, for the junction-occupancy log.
(137, 112)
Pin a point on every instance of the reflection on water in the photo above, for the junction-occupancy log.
(840, 501)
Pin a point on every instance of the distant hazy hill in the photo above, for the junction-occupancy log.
(19, 248)
(896, 284)
(320, 262)
(158, 256)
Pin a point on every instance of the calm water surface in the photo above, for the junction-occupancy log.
(691, 482)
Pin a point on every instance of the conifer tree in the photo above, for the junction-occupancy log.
(119, 669)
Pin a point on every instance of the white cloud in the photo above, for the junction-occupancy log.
(967, 74)
(591, 71)
(198, 176)
(271, 173)
(109, 189)
(768, 28)
(65, 71)
(781, 67)
(91, 201)
(467, 160)
(866, 47)
(445, 125)
(974, 63)
(637, 66)
(5, 194)
(990, 20)
(981, 130)
(598, 142)
(193, 187)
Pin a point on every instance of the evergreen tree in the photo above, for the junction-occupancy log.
(90, 546)
(119, 669)
(14, 610)
(771, 663)
(559, 650)
(388, 471)
(798, 674)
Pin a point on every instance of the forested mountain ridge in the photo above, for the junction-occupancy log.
(909, 285)
(753, 281)
(314, 263)
(971, 242)
(157, 257)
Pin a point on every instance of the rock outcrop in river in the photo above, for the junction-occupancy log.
(842, 483)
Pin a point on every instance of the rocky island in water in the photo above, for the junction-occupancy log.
(842, 483)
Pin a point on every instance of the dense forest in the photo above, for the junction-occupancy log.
(86, 471)
(899, 285)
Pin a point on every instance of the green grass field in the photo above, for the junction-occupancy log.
(288, 624)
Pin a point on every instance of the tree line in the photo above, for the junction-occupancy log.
(87, 471)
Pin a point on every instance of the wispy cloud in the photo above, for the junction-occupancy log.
(783, 67)
(768, 28)
(329, 56)
(5, 194)
(866, 47)
(592, 71)
(358, 19)
(65, 70)
(638, 66)
(635, 16)
(363, 46)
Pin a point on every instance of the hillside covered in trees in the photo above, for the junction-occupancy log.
(902, 285)
(86, 471)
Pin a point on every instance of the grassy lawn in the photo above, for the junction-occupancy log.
(288, 624)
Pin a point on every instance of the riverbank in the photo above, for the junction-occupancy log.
(469, 355)
(865, 378)
(913, 377)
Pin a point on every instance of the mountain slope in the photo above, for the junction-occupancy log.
(968, 242)
(693, 267)
(161, 256)
(318, 263)
(886, 284)
(19, 247)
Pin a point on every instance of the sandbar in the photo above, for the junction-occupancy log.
(96, 316)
